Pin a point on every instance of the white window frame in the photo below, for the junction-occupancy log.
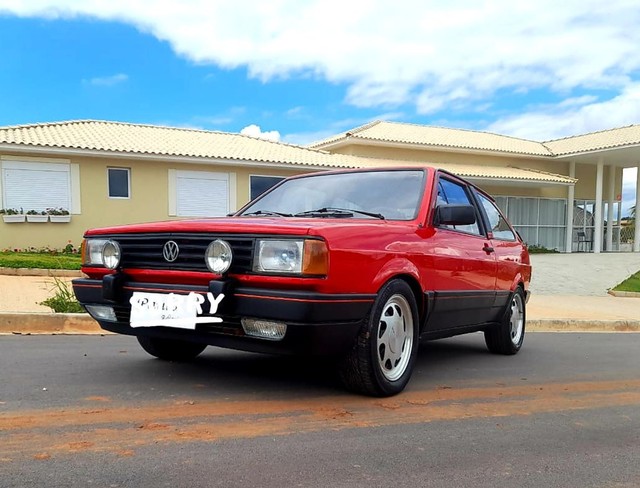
(118, 168)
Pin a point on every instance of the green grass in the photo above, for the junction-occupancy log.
(51, 260)
(63, 299)
(630, 284)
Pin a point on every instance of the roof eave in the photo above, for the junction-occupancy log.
(62, 151)
(353, 140)
(591, 152)
(531, 181)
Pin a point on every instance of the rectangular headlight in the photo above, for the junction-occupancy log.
(292, 256)
(92, 251)
(279, 256)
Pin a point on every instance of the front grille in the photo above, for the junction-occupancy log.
(145, 251)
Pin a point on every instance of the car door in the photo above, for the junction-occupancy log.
(507, 249)
(463, 265)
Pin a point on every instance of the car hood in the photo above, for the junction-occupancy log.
(245, 225)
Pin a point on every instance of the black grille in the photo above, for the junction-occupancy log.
(145, 251)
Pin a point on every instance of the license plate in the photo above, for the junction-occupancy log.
(171, 310)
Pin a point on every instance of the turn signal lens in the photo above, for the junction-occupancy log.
(316, 258)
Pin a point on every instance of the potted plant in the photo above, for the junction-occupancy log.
(35, 216)
(59, 214)
(12, 215)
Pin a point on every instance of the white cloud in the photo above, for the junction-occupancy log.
(108, 80)
(432, 54)
(254, 130)
(573, 116)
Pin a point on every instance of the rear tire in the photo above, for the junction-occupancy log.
(383, 357)
(170, 349)
(507, 338)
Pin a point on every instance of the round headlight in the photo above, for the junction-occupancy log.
(218, 256)
(111, 254)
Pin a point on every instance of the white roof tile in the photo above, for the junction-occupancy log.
(606, 139)
(430, 136)
(166, 141)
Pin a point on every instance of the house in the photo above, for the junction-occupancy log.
(107, 173)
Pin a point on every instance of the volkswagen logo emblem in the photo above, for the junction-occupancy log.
(170, 251)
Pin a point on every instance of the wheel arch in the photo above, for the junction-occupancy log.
(412, 280)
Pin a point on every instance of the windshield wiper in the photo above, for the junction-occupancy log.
(337, 212)
(267, 213)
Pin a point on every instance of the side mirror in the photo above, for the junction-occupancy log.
(455, 215)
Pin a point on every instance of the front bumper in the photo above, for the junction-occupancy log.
(316, 323)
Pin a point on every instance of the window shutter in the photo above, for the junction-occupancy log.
(202, 194)
(36, 186)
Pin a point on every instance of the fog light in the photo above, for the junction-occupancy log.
(264, 329)
(102, 312)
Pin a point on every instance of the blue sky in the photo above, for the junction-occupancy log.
(299, 71)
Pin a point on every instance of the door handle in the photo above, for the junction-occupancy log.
(488, 249)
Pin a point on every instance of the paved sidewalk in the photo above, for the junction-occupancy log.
(24, 293)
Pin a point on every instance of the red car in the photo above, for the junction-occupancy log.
(357, 264)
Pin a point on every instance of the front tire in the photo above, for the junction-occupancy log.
(170, 349)
(507, 338)
(383, 357)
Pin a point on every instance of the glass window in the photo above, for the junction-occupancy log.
(553, 212)
(497, 224)
(260, 184)
(523, 211)
(453, 193)
(119, 182)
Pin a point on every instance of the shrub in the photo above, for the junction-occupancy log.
(63, 300)
(11, 211)
(537, 249)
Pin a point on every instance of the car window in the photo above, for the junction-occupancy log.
(395, 195)
(497, 223)
(450, 192)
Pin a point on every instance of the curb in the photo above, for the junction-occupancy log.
(49, 323)
(58, 273)
(624, 294)
(569, 325)
(83, 324)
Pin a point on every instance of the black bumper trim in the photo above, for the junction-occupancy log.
(316, 323)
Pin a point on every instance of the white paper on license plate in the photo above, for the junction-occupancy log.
(159, 309)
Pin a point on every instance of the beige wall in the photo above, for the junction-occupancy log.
(585, 173)
(149, 199)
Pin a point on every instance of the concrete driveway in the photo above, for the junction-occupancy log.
(581, 274)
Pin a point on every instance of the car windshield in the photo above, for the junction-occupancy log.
(391, 195)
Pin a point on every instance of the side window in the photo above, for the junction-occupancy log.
(119, 183)
(450, 192)
(497, 224)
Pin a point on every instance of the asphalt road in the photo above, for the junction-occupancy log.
(97, 411)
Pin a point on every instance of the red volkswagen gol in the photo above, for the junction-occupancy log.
(359, 265)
